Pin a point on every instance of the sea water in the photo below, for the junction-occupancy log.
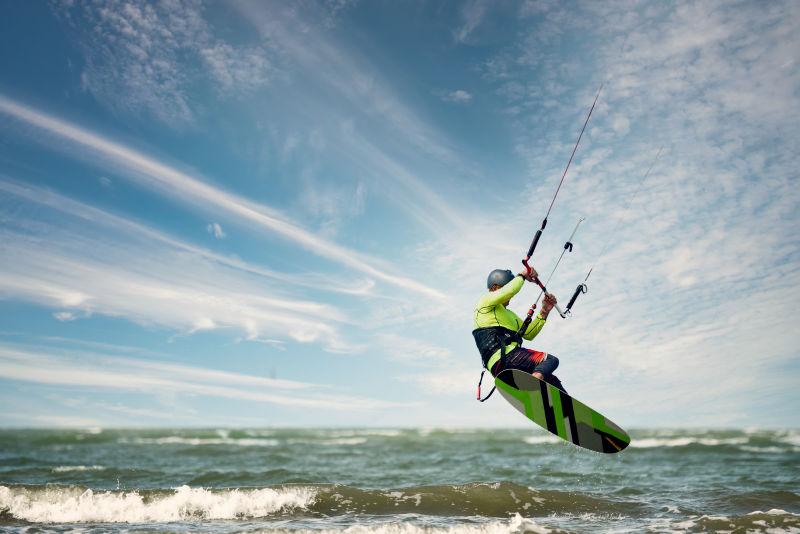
(396, 481)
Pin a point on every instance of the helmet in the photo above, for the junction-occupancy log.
(499, 277)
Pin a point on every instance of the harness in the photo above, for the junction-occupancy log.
(489, 340)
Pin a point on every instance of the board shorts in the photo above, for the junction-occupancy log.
(530, 361)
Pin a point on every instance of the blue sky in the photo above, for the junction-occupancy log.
(270, 213)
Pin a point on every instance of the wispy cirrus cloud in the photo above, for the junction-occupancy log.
(369, 126)
(299, 37)
(40, 365)
(139, 232)
(472, 14)
(187, 189)
(98, 263)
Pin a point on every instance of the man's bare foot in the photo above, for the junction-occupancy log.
(538, 375)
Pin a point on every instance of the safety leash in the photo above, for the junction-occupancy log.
(479, 389)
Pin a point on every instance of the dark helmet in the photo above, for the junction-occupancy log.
(499, 277)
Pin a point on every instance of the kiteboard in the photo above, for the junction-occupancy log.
(560, 414)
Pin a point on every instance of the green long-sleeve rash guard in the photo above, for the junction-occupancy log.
(491, 311)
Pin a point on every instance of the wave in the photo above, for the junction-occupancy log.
(180, 440)
(514, 525)
(752, 443)
(78, 505)
(241, 442)
(75, 504)
(538, 440)
(647, 443)
(774, 520)
(787, 442)
(72, 468)
(479, 508)
(333, 441)
(790, 438)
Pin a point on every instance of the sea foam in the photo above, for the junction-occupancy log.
(71, 505)
(514, 525)
(646, 443)
(71, 468)
(180, 440)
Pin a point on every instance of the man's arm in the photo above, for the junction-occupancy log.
(504, 294)
(534, 328)
(538, 323)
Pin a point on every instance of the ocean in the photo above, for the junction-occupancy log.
(396, 481)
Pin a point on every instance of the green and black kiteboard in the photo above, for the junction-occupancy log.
(560, 414)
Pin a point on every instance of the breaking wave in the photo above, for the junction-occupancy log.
(772, 521)
(75, 504)
(514, 525)
(54, 504)
(684, 441)
(73, 468)
(180, 440)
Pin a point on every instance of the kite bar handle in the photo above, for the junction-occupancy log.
(582, 288)
(529, 317)
(535, 240)
(544, 290)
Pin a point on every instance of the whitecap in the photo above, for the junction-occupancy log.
(69, 468)
(513, 525)
(180, 440)
(790, 438)
(763, 450)
(69, 505)
(336, 441)
(647, 443)
(537, 440)
(773, 511)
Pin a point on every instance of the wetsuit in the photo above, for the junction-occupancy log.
(498, 341)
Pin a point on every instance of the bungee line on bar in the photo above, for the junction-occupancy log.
(567, 247)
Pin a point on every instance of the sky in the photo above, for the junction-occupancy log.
(281, 213)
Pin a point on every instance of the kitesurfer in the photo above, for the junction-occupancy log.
(496, 328)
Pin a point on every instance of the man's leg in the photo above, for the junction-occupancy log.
(546, 366)
(544, 371)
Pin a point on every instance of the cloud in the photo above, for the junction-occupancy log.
(95, 262)
(411, 350)
(242, 69)
(65, 316)
(711, 238)
(332, 205)
(472, 15)
(450, 382)
(458, 96)
(348, 80)
(187, 189)
(41, 365)
(216, 230)
(65, 421)
(150, 56)
(133, 230)
(620, 124)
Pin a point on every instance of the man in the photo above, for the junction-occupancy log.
(496, 329)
